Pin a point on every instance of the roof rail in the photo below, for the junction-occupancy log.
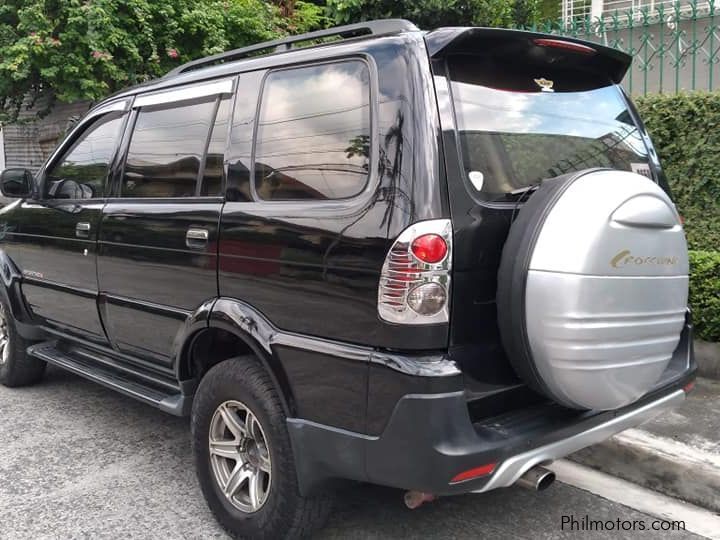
(384, 26)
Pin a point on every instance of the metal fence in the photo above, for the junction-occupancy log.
(675, 44)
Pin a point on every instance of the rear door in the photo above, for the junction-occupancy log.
(53, 240)
(517, 108)
(158, 245)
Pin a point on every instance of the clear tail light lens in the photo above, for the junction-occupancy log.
(415, 280)
(427, 299)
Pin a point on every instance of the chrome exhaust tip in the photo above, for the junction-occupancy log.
(537, 479)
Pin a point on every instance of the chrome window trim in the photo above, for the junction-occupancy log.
(185, 93)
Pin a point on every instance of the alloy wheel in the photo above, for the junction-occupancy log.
(239, 456)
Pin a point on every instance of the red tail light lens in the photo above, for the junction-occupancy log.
(429, 248)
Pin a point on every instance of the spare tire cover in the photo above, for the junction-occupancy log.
(592, 288)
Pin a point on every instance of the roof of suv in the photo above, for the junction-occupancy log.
(209, 66)
(440, 41)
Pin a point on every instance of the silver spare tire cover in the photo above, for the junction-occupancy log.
(592, 288)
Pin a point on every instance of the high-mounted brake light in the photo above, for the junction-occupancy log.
(415, 278)
(562, 44)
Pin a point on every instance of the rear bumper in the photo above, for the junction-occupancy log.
(431, 438)
(514, 467)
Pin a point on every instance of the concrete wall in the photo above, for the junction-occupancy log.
(2, 150)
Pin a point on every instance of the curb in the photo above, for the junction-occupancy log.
(664, 465)
(707, 356)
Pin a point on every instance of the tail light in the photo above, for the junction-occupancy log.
(415, 279)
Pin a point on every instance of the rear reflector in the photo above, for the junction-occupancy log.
(566, 45)
(477, 472)
(688, 387)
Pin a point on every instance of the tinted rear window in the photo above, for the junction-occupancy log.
(513, 134)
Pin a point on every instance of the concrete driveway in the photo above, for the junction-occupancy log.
(80, 461)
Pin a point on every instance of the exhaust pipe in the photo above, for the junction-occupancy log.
(537, 479)
(415, 499)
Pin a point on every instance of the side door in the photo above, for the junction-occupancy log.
(53, 240)
(158, 242)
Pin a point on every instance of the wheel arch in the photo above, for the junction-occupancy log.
(239, 330)
(13, 297)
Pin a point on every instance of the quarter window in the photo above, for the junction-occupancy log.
(82, 171)
(166, 150)
(313, 134)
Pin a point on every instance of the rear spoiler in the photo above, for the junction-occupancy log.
(502, 42)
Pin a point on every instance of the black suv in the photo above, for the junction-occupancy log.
(429, 260)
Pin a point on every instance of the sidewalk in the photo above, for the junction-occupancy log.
(677, 454)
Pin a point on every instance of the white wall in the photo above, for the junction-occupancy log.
(2, 150)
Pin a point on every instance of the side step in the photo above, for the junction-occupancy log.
(80, 363)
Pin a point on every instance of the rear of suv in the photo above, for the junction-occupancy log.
(429, 260)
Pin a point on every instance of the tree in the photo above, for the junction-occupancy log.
(86, 49)
(430, 14)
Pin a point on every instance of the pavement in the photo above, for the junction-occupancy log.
(81, 461)
(677, 453)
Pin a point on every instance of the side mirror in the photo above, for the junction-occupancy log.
(16, 183)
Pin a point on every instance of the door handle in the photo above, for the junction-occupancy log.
(196, 237)
(82, 229)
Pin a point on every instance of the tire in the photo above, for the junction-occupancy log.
(16, 367)
(243, 390)
(592, 288)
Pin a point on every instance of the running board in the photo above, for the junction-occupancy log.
(80, 362)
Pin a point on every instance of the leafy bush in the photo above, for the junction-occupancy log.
(686, 131)
(705, 293)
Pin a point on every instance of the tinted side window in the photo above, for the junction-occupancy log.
(82, 171)
(313, 134)
(166, 149)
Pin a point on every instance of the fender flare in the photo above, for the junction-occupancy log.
(247, 324)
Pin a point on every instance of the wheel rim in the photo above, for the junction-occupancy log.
(239, 456)
(4, 338)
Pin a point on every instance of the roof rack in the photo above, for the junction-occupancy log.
(385, 26)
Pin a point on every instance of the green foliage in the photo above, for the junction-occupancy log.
(428, 14)
(705, 293)
(686, 131)
(86, 49)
